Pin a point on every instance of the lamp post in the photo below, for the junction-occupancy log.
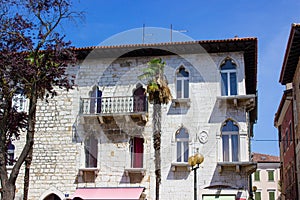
(194, 161)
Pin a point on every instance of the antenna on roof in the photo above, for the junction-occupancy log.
(178, 31)
(143, 37)
(171, 32)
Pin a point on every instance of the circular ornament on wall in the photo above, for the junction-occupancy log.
(203, 137)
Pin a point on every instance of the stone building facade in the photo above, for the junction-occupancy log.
(97, 138)
(284, 123)
(266, 178)
(290, 77)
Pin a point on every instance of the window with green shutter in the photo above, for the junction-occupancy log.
(271, 175)
(257, 175)
(271, 195)
(257, 196)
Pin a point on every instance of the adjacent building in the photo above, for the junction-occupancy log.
(287, 117)
(266, 179)
(285, 125)
(95, 142)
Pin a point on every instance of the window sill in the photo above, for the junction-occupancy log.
(87, 175)
(176, 166)
(185, 103)
(247, 167)
(89, 169)
(129, 171)
(248, 100)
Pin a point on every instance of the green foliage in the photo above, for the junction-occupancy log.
(34, 58)
(157, 88)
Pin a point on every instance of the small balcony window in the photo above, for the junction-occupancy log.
(228, 78)
(95, 102)
(182, 145)
(230, 141)
(182, 84)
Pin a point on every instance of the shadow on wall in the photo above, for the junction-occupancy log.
(181, 173)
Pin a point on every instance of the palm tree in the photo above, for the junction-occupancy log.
(158, 93)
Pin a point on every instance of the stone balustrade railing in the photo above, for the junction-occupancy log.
(113, 105)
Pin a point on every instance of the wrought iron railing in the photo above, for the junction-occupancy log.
(113, 105)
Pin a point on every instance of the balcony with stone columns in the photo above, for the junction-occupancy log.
(115, 114)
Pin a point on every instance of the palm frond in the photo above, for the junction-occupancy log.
(157, 87)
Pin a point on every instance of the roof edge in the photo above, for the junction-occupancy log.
(165, 43)
(287, 52)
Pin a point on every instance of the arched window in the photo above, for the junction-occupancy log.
(95, 101)
(182, 145)
(182, 83)
(52, 197)
(91, 151)
(230, 141)
(137, 152)
(228, 78)
(139, 99)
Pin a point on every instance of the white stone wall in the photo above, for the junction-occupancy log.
(57, 158)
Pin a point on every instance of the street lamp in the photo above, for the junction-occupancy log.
(194, 161)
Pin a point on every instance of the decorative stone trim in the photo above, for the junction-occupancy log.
(87, 175)
(181, 103)
(129, 171)
(176, 165)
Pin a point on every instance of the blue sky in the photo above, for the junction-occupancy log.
(269, 21)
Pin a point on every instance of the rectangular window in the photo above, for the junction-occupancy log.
(186, 88)
(257, 175)
(91, 152)
(271, 195)
(291, 132)
(233, 85)
(179, 155)
(182, 151)
(257, 195)
(283, 144)
(224, 84)
(179, 89)
(225, 140)
(137, 152)
(286, 139)
(235, 146)
(182, 88)
(271, 175)
(186, 151)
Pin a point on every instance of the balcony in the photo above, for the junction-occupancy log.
(247, 101)
(115, 113)
(238, 167)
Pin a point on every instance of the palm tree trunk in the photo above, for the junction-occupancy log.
(156, 144)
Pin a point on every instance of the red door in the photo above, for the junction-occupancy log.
(138, 151)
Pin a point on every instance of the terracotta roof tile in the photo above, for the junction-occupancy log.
(259, 157)
(164, 43)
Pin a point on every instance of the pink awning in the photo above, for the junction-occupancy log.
(117, 193)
